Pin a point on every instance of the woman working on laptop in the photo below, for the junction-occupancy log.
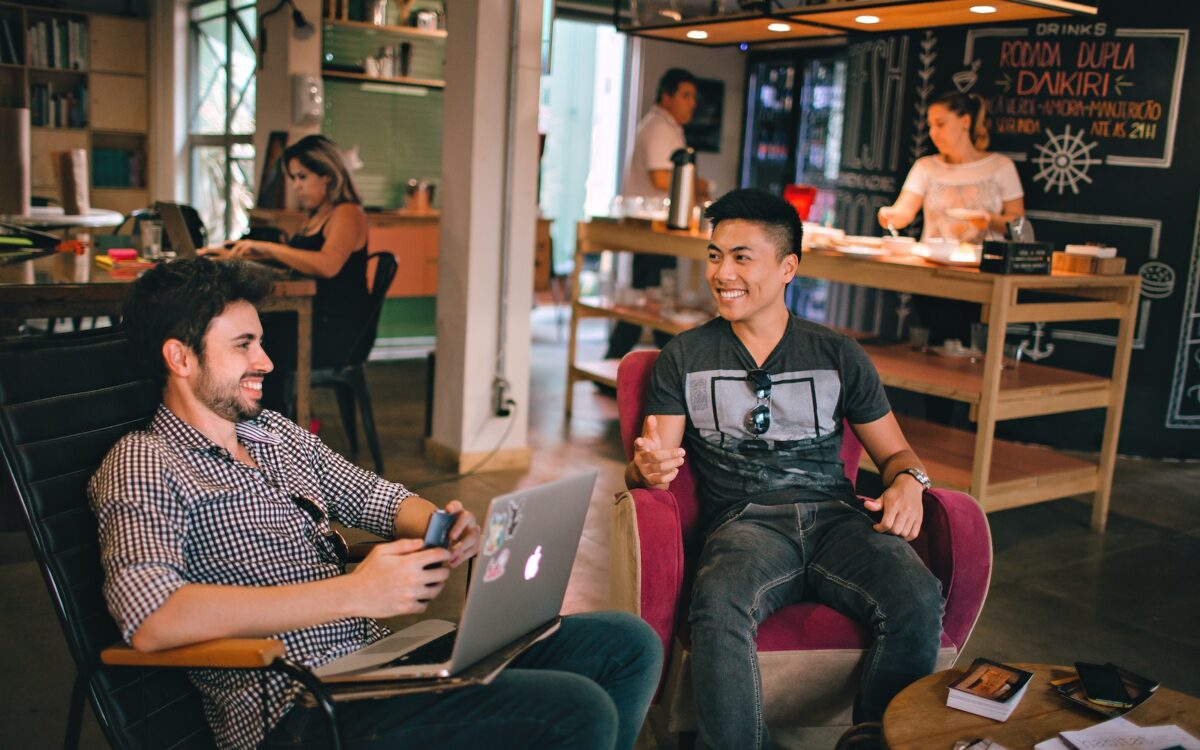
(331, 246)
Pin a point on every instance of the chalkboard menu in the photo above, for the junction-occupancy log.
(1095, 116)
(1070, 102)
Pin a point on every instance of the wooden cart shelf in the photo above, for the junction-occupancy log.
(1020, 475)
(1027, 390)
(999, 474)
(648, 315)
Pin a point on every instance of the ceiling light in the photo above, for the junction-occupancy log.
(780, 27)
(982, 9)
(697, 34)
(867, 19)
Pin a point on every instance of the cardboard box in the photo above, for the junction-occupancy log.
(1072, 263)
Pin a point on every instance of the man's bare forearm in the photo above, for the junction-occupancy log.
(201, 612)
(897, 463)
(413, 517)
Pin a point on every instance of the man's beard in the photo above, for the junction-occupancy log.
(226, 400)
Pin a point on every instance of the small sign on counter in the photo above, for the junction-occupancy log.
(1016, 257)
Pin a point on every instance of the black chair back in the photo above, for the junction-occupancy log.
(64, 401)
(385, 271)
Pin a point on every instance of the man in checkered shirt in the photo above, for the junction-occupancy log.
(214, 523)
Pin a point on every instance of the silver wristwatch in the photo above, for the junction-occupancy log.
(918, 475)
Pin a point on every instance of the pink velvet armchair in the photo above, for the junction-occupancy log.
(809, 654)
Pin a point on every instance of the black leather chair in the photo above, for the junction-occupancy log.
(349, 381)
(64, 401)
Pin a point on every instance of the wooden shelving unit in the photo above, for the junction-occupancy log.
(397, 80)
(114, 72)
(998, 473)
(409, 31)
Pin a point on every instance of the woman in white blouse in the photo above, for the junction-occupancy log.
(966, 192)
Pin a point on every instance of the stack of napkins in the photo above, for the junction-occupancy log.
(989, 689)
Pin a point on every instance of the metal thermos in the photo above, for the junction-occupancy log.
(683, 188)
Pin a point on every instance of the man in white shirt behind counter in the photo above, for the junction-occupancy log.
(648, 176)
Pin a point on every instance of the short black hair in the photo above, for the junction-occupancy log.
(774, 213)
(671, 81)
(179, 300)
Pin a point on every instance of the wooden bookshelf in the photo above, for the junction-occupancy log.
(113, 65)
(998, 473)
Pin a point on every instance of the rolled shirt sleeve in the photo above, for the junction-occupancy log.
(141, 533)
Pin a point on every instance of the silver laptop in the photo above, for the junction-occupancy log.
(520, 576)
(176, 228)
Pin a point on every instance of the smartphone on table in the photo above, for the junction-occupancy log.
(1103, 684)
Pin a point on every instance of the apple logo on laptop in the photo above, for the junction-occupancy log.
(531, 565)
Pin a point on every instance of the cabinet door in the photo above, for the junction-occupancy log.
(415, 245)
(117, 45)
(118, 102)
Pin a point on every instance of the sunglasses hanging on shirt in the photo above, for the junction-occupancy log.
(758, 420)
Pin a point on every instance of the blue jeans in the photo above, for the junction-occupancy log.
(766, 557)
(587, 686)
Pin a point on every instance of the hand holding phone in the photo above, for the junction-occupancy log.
(1102, 684)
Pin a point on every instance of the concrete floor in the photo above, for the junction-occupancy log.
(1059, 592)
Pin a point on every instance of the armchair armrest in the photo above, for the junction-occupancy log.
(648, 558)
(223, 653)
(956, 543)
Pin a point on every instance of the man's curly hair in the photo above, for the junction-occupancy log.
(179, 300)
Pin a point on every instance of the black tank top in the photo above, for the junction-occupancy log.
(342, 305)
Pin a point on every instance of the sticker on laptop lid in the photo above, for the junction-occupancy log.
(496, 533)
(495, 566)
(515, 516)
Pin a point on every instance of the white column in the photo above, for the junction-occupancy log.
(286, 56)
(472, 284)
(168, 95)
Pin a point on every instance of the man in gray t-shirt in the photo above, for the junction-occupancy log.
(756, 399)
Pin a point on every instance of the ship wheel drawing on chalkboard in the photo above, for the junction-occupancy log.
(1064, 160)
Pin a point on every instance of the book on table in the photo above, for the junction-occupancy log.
(989, 688)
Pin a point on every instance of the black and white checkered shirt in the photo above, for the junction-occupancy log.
(175, 508)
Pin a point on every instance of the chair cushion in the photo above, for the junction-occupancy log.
(807, 626)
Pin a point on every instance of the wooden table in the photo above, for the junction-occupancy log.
(64, 285)
(918, 717)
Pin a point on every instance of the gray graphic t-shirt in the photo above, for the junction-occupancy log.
(818, 378)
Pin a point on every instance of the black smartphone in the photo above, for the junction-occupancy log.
(1102, 684)
(437, 533)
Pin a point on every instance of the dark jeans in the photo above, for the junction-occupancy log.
(587, 686)
(767, 557)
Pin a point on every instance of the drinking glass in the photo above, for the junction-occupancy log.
(918, 336)
(152, 239)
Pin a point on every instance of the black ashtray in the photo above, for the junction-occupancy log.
(1016, 257)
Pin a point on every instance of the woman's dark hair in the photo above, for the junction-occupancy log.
(179, 300)
(320, 156)
(975, 107)
(776, 215)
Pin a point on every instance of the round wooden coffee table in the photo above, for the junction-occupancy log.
(918, 718)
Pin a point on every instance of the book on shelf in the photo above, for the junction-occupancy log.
(989, 688)
(9, 54)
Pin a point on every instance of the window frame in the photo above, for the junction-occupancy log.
(227, 141)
